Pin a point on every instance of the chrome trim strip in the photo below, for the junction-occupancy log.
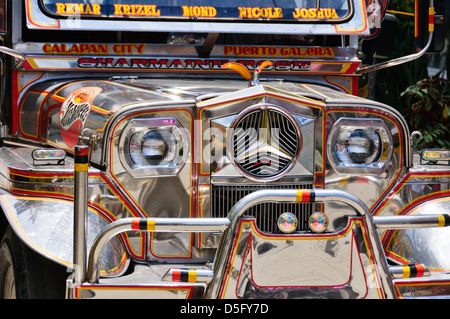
(411, 221)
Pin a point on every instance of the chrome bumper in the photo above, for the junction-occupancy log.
(297, 264)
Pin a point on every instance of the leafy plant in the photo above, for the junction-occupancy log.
(427, 109)
(391, 82)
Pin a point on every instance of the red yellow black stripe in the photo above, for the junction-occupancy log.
(305, 196)
(81, 158)
(431, 20)
(444, 220)
(184, 275)
(413, 270)
(143, 224)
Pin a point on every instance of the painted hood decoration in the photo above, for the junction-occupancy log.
(65, 113)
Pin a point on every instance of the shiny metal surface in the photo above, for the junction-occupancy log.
(201, 275)
(398, 272)
(15, 54)
(139, 292)
(170, 196)
(220, 111)
(224, 197)
(80, 209)
(218, 115)
(181, 141)
(221, 266)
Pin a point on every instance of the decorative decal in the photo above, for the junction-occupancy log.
(374, 14)
(74, 113)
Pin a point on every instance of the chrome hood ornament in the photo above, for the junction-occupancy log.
(253, 78)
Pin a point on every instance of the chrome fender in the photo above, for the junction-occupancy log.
(428, 246)
(46, 226)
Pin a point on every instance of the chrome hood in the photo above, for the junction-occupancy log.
(64, 113)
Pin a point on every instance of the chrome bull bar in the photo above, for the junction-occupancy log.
(148, 225)
(296, 196)
(229, 227)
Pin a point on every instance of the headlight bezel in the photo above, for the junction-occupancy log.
(168, 125)
(373, 125)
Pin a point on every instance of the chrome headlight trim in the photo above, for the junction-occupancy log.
(265, 141)
(376, 164)
(171, 131)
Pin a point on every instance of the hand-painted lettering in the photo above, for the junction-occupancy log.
(257, 13)
(136, 10)
(200, 65)
(78, 8)
(314, 13)
(75, 49)
(285, 52)
(128, 48)
(199, 12)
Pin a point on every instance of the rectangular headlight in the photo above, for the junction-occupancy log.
(359, 146)
(153, 147)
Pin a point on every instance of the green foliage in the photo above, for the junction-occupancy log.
(422, 100)
(391, 82)
(427, 109)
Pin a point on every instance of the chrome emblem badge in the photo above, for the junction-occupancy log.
(265, 142)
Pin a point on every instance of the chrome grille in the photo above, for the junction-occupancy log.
(225, 197)
(265, 142)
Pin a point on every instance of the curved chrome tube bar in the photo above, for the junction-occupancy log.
(319, 195)
(148, 225)
(230, 227)
(398, 61)
(16, 54)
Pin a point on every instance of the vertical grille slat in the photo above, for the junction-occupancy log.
(266, 214)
